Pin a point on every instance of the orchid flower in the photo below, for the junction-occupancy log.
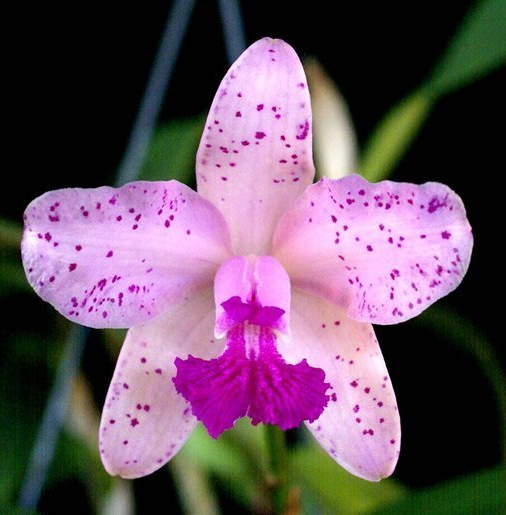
(254, 296)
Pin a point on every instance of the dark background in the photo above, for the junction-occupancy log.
(78, 76)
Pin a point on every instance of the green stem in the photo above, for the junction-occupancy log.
(277, 478)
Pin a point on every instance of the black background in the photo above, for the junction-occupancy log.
(77, 76)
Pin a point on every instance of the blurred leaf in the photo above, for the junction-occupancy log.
(393, 136)
(12, 509)
(26, 371)
(74, 459)
(193, 486)
(10, 233)
(12, 276)
(457, 329)
(482, 492)
(478, 47)
(336, 490)
(23, 385)
(227, 459)
(171, 153)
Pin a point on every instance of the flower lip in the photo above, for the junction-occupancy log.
(254, 290)
(251, 378)
(256, 314)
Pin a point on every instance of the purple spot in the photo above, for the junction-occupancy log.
(109, 254)
(260, 107)
(435, 203)
(260, 135)
(446, 235)
(78, 248)
(304, 131)
(238, 114)
(72, 267)
(134, 422)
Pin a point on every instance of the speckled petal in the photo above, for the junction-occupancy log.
(110, 257)
(385, 251)
(145, 421)
(255, 156)
(360, 427)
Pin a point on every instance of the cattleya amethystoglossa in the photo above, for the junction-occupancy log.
(254, 296)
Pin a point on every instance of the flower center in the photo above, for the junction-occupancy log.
(251, 377)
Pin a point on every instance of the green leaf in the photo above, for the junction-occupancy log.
(12, 276)
(478, 47)
(171, 153)
(235, 459)
(336, 490)
(23, 384)
(393, 136)
(459, 331)
(75, 459)
(10, 233)
(482, 492)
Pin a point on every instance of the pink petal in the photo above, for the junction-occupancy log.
(255, 156)
(360, 427)
(110, 257)
(145, 421)
(385, 251)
